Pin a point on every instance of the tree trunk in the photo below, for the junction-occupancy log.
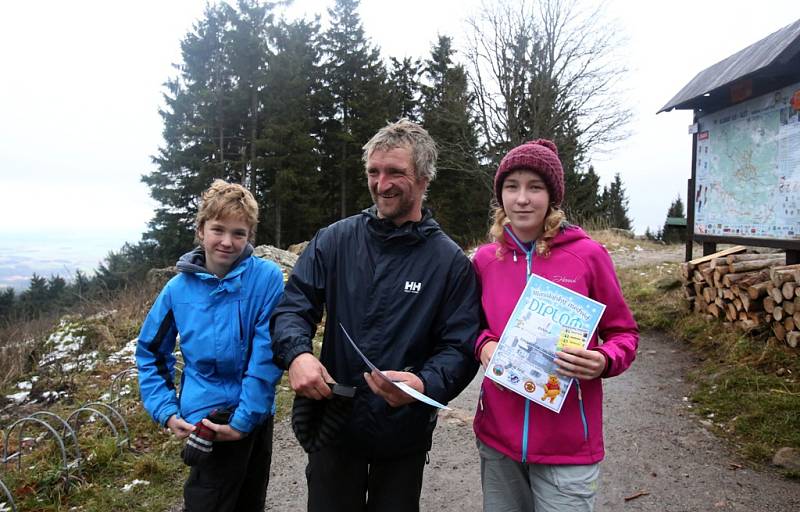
(278, 241)
(253, 136)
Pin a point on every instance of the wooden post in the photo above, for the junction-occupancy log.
(690, 211)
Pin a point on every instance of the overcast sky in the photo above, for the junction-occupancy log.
(82, 84)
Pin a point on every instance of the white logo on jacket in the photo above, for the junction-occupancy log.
(412, 287)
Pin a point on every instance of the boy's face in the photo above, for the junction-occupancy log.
(223, 240)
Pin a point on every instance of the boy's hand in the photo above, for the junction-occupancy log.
(178, 427)
(224, 432)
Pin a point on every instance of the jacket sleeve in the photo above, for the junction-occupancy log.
(617, 330)
(485, 335)
(257, 398)
(155, 360)
(451, 367)
(295, 320)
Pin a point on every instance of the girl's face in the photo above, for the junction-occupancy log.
(525, 201)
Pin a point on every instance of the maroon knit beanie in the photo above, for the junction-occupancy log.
(540, 156)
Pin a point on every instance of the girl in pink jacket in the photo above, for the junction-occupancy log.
(531, 457)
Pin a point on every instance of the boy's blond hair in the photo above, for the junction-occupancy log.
(223, 200)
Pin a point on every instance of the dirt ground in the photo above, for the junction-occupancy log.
(656, 447)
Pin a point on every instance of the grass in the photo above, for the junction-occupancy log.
(106, 470)
(747, 385)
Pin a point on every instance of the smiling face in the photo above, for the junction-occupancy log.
(526, 202)
(394, 186)
(223, 240)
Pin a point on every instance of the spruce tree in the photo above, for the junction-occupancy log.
(202, 139)
(291, 186)
(462, 190)
(581, 199)
(357, 107)
(673, 234)
(614, 205)
(7, 304)
(404, 86)
(34, 300)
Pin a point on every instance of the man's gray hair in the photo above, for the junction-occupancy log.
(405, 133)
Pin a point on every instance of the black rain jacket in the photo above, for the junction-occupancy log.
(408, 297)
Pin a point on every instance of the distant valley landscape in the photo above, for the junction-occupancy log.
(46, 254)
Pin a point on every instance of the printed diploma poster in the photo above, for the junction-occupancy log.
(547, 318)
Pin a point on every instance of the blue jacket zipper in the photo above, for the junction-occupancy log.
(528, 272)
(526, 424)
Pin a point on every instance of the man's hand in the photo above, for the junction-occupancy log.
(178, 427)
(224, 432)
(393, 396)
(309, 378)
(580, 363)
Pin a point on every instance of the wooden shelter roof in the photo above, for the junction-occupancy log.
(768, 64)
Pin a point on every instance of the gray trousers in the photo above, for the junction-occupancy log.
(511, 486)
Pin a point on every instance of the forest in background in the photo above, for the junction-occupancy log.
(285, 106)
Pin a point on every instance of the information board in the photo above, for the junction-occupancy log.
(747, 177)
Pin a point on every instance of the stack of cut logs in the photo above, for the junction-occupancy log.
(747, 289)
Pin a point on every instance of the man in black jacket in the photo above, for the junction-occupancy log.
(408, 297)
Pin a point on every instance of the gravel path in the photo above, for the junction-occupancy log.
(654, 445)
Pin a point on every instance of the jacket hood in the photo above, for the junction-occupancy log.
(568, 233)
(194, 261)
(409, 233)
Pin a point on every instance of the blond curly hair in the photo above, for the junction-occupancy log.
(223, 200)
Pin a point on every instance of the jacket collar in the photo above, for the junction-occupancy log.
(194, 262)
(409, 233)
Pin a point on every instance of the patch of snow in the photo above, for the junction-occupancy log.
(24, 385)
(53, 396)
(125, 354)
(19, 397)
(128, 487)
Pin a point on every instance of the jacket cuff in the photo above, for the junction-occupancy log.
(241, 424)
(607, 372)
(287, 357)
(483, 339)
(165, 415)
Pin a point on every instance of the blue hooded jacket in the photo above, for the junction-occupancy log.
(223, 325)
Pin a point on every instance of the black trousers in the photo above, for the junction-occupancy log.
(235, 477)
(340, 481)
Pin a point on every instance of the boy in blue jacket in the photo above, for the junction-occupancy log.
(219, 305)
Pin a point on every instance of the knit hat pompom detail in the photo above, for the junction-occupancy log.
(539, 156)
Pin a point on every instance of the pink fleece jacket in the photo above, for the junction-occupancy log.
(580, 264)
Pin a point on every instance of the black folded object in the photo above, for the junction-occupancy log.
(317, 422)
(200, 442)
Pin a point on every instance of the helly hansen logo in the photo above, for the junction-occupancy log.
(412, 287)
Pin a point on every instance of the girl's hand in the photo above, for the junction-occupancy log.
(178, 427)
(486, 353)
(580, 363)
(224, 432)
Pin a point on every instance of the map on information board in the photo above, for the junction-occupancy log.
(748, 169)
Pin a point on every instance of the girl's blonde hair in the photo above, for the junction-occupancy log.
(223, 200)
(553, 222)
